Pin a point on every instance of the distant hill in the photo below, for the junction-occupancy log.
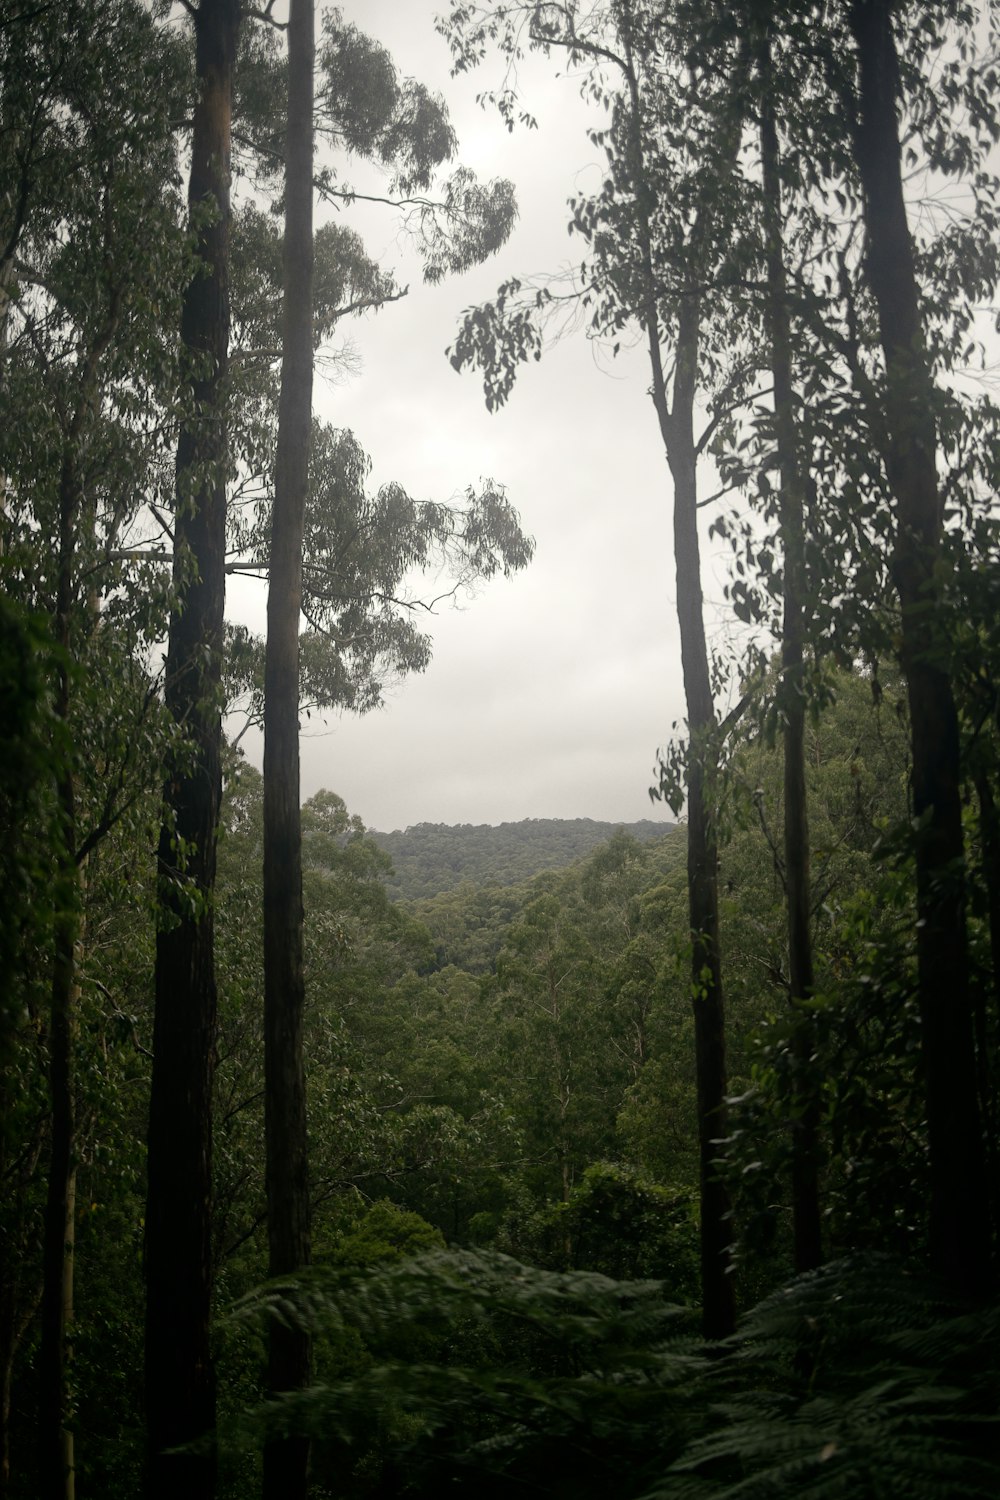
(433, 857)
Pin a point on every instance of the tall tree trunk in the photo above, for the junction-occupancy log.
(959, 1226)
(55, 1434)
(57, 1465)
(56, 1460)
(286, 1459)
(677, 429)
(16, 1318)
(676, 423)
(6, 276)
(180, 1386)
(805, 1127)
(989, 832)
(983, 992)
(675, 417)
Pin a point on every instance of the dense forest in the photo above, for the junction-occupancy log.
(428, 858)
(654, 1166)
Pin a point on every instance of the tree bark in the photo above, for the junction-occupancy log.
(15, 1320)
(676, 423)
(989, 832)
(805, 1125)
(180, 1386)
(55, 1435)
(677, 428)
(959, 1227)
(286, 1459)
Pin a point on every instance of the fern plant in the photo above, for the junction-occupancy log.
(485, 1372)
(470, 1372)
(856, 1380)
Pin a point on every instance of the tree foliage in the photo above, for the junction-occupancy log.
(509, 1166)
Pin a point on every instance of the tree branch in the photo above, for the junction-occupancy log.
(266, 15)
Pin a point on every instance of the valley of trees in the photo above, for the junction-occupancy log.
(428, 858)
(558, 1160)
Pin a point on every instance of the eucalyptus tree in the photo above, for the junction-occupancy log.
(552, 1027)
(792, 699)
(362, 597)
(363, 108)
(664, 242)
(179, 1380)
(893, 457)
(286, 1459)
(888, 112)
(909, 451)
(92, 263)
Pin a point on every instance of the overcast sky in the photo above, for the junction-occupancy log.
(547, 695)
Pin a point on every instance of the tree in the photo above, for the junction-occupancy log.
(959, 1213)
(363, 107)
(657, 233)
(793, 691)
(286, 1460)
(90, 265)
(554, 1026)
(179, 1381)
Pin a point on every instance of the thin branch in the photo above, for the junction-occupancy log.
(265, 16)
(163, 524)
(241, 1104)
(779, 866)
(119, 1015)
(133, 554)
(575, 43)
(734, 716)
(255, 1223)
(774, 973)
(366, 302)
(719, 413)
(727, 489)
(110, 814)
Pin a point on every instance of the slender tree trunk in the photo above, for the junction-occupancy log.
(8, 1325)
(19, 1303)
(677, 427)
(55, 1434)
(286, 1459)
(6, 276)
(805, 1127)
(959, 1226)
(989, 827)
(676, 422)
(180, 1386)
(15, 1320)
(988, 993)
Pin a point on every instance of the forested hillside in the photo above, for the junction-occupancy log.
(671, 1170)
(433, 857)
